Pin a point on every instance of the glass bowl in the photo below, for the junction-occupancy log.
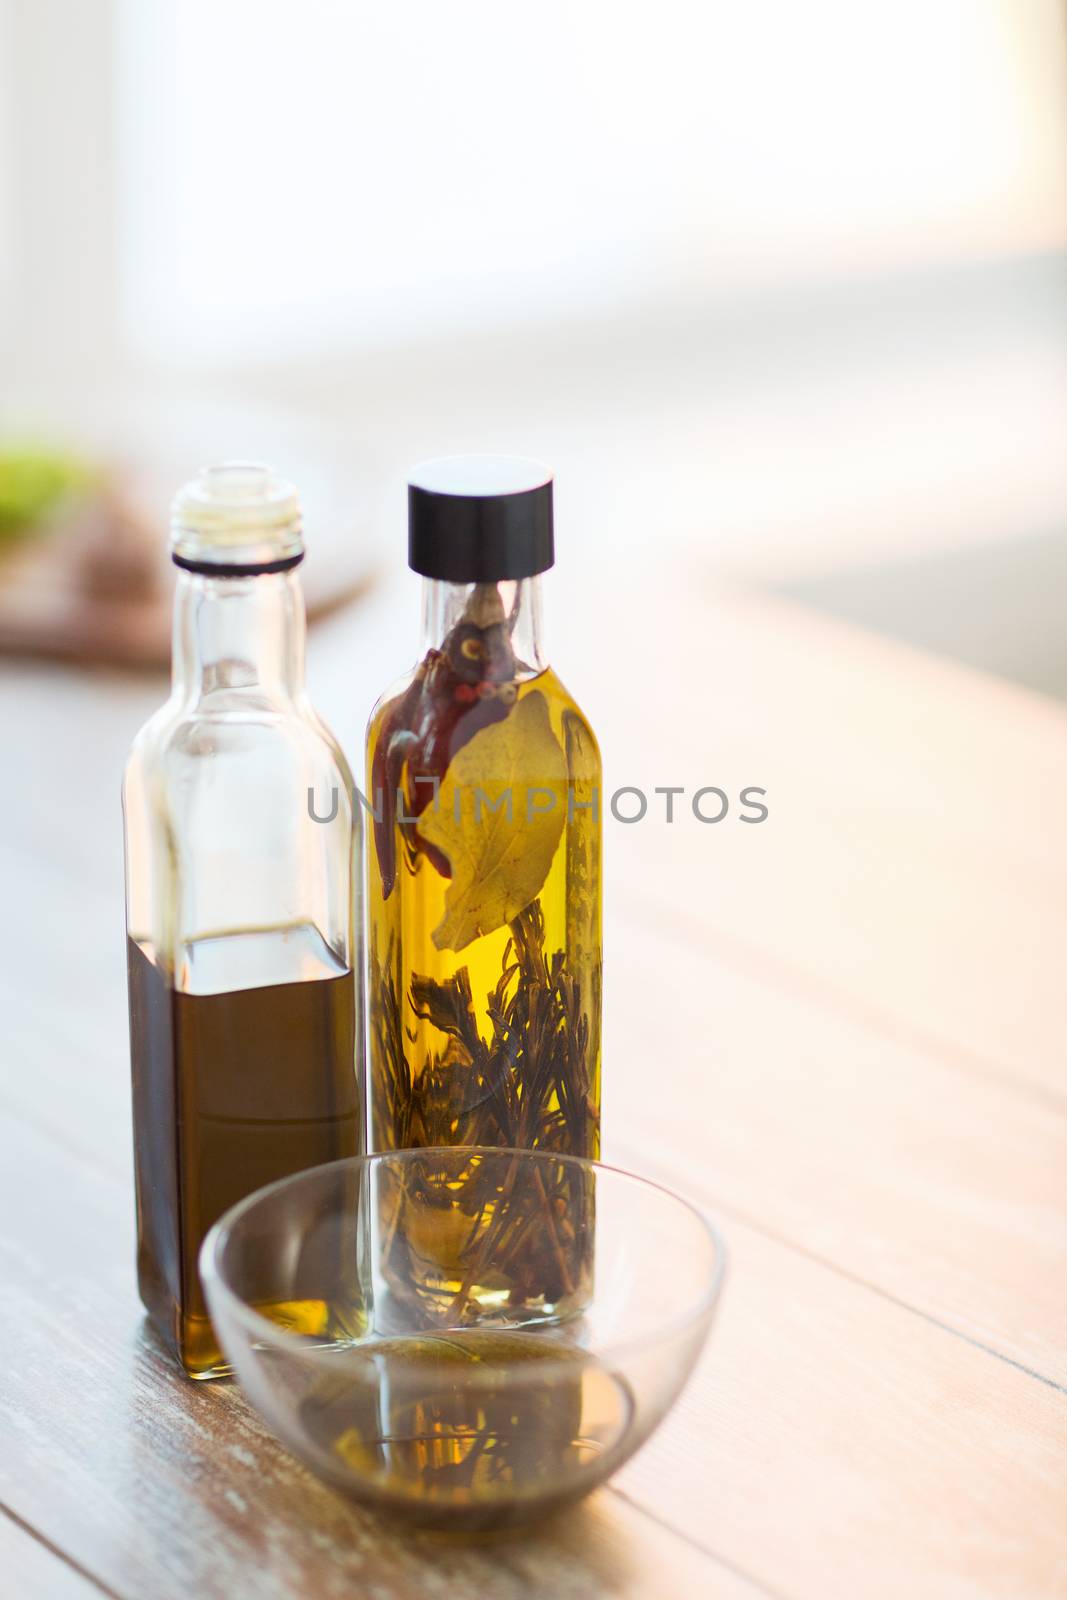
(467, 1338)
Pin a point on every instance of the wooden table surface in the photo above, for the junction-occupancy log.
(841, 1031)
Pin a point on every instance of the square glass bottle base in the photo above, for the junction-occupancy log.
(233, 1088)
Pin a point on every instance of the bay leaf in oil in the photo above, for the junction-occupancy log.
(499, 854)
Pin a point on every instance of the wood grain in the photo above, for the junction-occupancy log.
(159, 1487)
(33, 1571)
(854, 1002)
(937, 1186)
(942, 1189)
(912, 868)
(832, 1444)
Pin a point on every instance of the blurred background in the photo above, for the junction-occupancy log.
(785, 284)
(779, 289)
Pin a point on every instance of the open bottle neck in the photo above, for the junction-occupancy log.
(237, 638)
(495, 628)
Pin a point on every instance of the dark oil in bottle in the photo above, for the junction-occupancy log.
(244, 1071)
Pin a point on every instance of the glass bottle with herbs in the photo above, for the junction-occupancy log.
(244, 918)
(484, 909)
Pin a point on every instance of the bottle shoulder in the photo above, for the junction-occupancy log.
(330, 743)
(566, 714)
(153, 736)
(187, 738)
(568, 720)
(395, 691)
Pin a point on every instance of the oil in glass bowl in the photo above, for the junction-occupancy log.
(474, 1429)
(461, 1408)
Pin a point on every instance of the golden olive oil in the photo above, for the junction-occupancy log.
(484, 910)
(498, 1042)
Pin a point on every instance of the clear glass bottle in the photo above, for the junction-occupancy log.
(243, 911)
(484, 898)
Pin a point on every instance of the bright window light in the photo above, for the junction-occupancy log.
(338, 173)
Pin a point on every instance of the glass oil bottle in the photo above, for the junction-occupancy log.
(244, 915)
(484, 909)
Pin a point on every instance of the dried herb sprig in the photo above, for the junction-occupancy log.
(528, 1085)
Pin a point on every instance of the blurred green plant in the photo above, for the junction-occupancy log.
(33, 482)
